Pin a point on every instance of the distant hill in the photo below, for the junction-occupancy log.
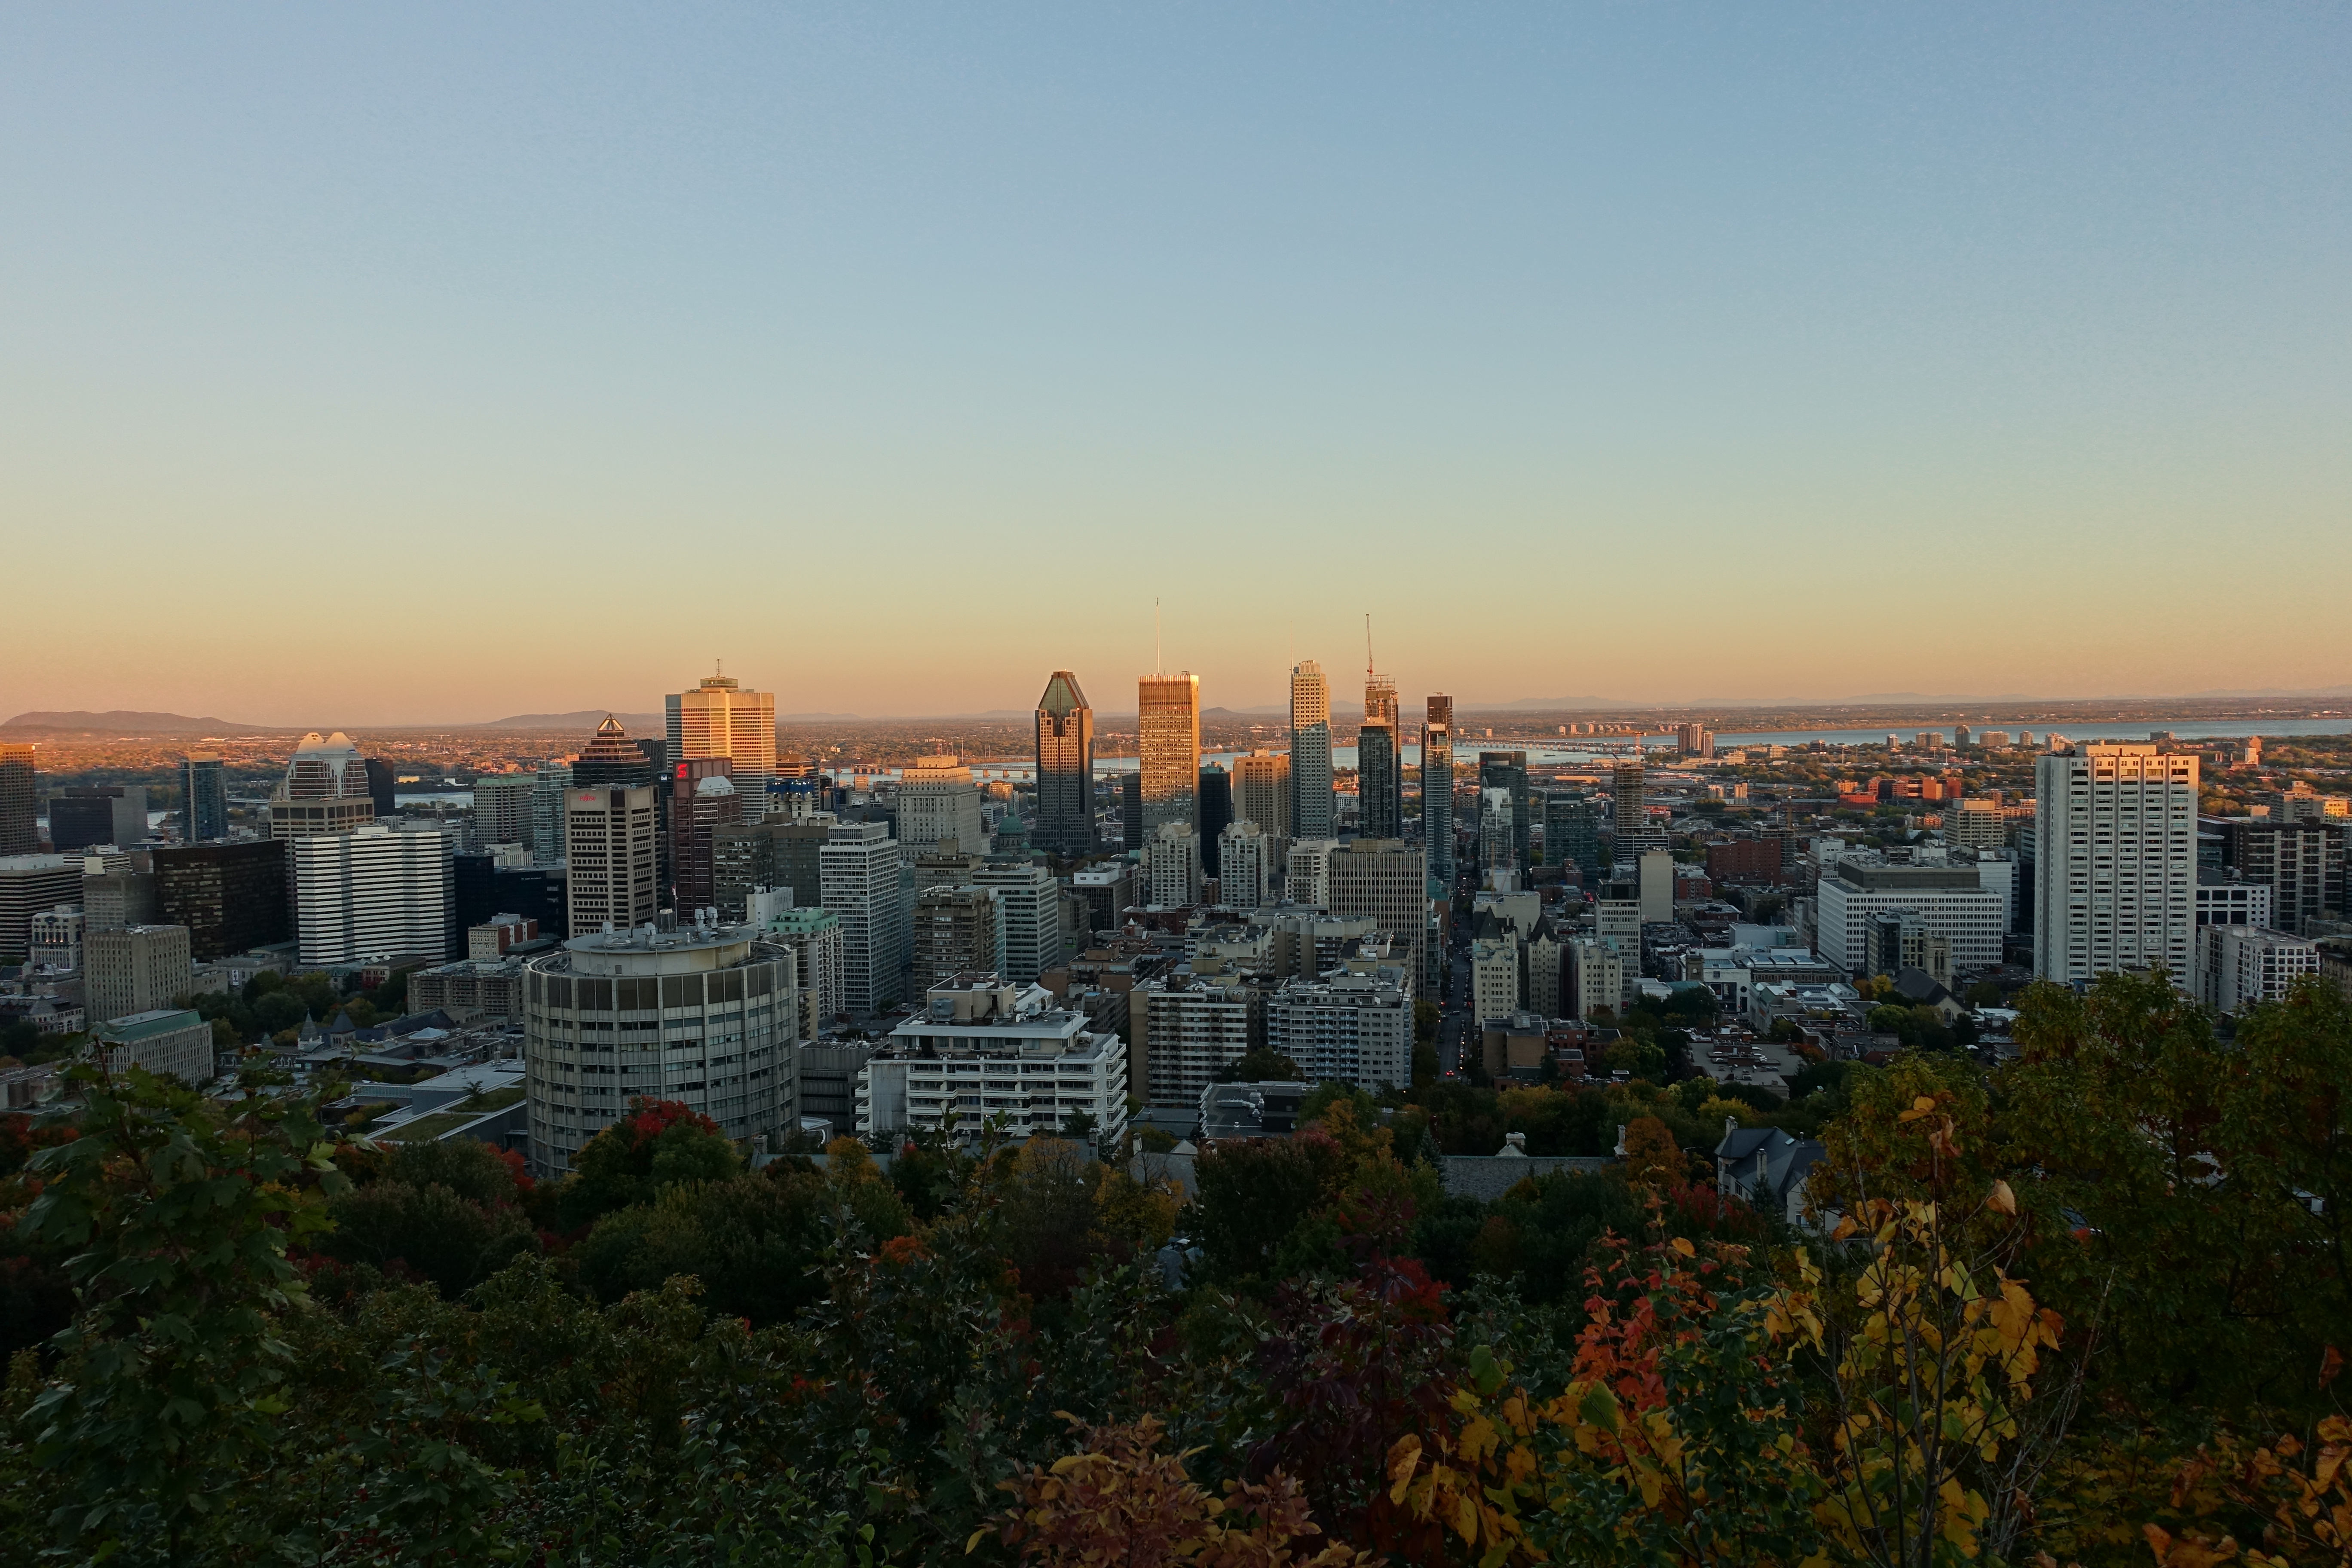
(121, 721)
(584, 718)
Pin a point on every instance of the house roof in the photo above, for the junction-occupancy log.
(1918, 985)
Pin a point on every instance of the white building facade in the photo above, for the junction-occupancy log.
(1004, 1052)
(373, 891)
(2116, 861)
(1352, 1027)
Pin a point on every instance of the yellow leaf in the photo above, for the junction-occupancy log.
(977, 1536)
(1685, 1247)
(2002, 1200)
(1466, 1518)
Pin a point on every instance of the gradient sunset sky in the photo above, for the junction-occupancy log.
(370, 365)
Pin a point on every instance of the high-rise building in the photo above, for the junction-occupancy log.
(1187, 1031)
(1029, 906)
(29, 884)
(1108, 892)
(1065, 769)
(1130, 811)
(1951, 903)
(1656, 880)
(135, 970)
(1437, 788)
(2116, 861)
(1307, 872)
(1261, 792)
(776, 854)
(938, 808)
(702, 802)
(1495, 815)
(859, 869)
(20, 829)
(324, 790)
(503, 808)
(1385, 880)
(1356, 1028)
(2300, 860)
(705, 1016)
(382, 788)
(1494, 978)
(550, 788)
(1216, 796)
(1596, 978)
(1631, 817)
(1508, 771)
(373, 891)
(956, 932)
(1314, 806)
(1171, 866)
(610, 865)
(812, 936)
(1571, 837)
(719, 719)
(231, 896)
(93, 815)
(1694, 740)
(1168, 727)
(1245, 869)
(611, 758)
(1379, 780)
(119, 890)
(203, 799)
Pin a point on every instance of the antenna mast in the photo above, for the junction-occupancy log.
(1155, 635)
(1368, 645)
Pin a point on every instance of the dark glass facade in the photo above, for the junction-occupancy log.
(1379, 804)
(1508, 770)
(380, 781)
(231, 896)
(1065, 769)
(1216, 796)
(204, 800)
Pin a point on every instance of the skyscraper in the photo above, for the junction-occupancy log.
(1386, 881)
(719, 719)
(2116, 861)
(1379, 780)
(938, 808)
(1244, 865)
(1437, 788)
(373, 890)
(1630, 816)
(325, 790)
(610, 838)
(1313, 813)
(859, 865)
(203, 799)
(93, 815)
(382, 788)
(20, 831)
(1216, 811)
(702, 800)
(135, 969)
(1508, 771)
(1571, 835)
(1262, 793)
(503, 808)
(550, 785)
(1065, 769)
(1168, 727)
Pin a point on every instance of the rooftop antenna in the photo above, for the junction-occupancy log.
(1155, 635)
(1368, 645)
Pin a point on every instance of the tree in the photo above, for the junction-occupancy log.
(1260, 1066)
(658, 1144)
(169, 1379)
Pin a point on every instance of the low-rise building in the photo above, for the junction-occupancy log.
(2238, 966)
(1766, 1168)
(168, 1042)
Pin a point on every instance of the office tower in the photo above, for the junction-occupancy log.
(1171, 866)
(230, 897)
(859, 869)
(704, 1016)
(1658, 884)
(1437, 789)
(1508, 771)
(29, 884)
(702, 800)
(1168, 727)
(1385, 880)
(1571, 836)
(1307, 872)
(719, 719)
(1951, 902)
(1216, 796)
(1244, 865)
(1494, 831)
(1065, 769)
(1379, 780)
(777, 854)
(502, 808)
(324, 790)
(611, 758)
(1261, 785)
(1631, 817)
(1130, 811)
(373, 891)
(118, 890)
(203, 799)
(1314, 810)
(86, 817)
(135, 970)
(812, 936)
(2300, 860)
(550, 787)
(938, 808)
(20, 829)
(381, 788)
(1029, 906)
(2116, 861)
(612, 869)
(955, 933)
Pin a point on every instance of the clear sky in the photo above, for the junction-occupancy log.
(402, 364)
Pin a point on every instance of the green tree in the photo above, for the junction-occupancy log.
(658, 1144)
(1259, 1066)
(173, 1374)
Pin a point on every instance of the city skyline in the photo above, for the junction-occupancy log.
(1787, 310)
